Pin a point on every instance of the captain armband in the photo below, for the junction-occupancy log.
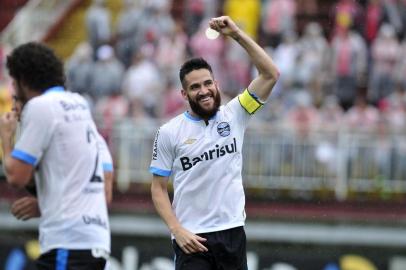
(250, 102)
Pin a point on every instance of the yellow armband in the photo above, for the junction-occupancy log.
(249, 102)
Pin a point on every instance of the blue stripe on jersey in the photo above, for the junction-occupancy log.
(23, 156)
(159, 172)
(107, 167)
(55, 89)
(62, 259)
(189, 116)
(196, 118)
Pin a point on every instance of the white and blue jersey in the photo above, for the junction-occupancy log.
(205, 162)
(59, 138)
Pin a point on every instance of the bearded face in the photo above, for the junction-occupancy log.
(205, 111)
(202, 93)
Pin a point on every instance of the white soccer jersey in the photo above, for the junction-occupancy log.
(59, 138)
(205, 162)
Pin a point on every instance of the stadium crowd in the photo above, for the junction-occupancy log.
(351, 72)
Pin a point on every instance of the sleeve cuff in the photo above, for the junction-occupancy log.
(107, 167)
(23, 156)
(159, 172)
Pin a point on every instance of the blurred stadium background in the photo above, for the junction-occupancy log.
(325, 160)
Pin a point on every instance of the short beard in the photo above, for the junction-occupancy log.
(206, 114)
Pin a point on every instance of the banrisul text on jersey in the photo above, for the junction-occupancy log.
(188, 163)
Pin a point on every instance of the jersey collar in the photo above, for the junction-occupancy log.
(54, 89)
(196, 118)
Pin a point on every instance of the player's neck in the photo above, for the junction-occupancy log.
(32, 94)
(197, 116)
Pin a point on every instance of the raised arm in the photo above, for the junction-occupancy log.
(262, 85)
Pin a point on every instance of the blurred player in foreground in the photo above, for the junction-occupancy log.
(27, 207)
(201, 149)
(60, 144)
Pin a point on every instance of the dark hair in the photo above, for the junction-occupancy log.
(193, 64)
(36, 66)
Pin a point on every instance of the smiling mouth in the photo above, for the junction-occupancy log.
(204, 99)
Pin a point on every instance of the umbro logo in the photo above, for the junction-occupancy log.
(190, 141)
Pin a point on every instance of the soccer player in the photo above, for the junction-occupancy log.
(27, 207)
(201, 149)
(58, 142)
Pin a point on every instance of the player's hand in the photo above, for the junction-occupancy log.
(224, 25)
(8, 125)
(26, 208)
(189, 242)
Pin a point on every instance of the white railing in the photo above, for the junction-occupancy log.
(339, 163)
(33, 21)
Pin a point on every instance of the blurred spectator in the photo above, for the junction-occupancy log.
(362, 117)
(301, 121)
(362, 122)
(383, 150)
(128, 33)
(193, 12)
(402, 12)
(393, 109)
(347, 14)
(157, 21)
(158, 4)
(212, 8)
(236, 74)
(277, 20)
(330, 120)
(385, 53)
(79, 69)
(210, 49)
(271, 114)
(373, 18)
(285, 56)
(399, 95)
(170, 52)
(401, 65)
(245, 13)
(108, 111)
(107, 73)
(348, 61)
(304, 117)
(314, 48)
(331, 115)
(308, 8)
(173, 102)
(393, 16)
(98, 25)
(143, 84)
(399, 170)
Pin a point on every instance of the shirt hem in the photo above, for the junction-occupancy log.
(221, 228)
(216, 229)
(69, 247)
